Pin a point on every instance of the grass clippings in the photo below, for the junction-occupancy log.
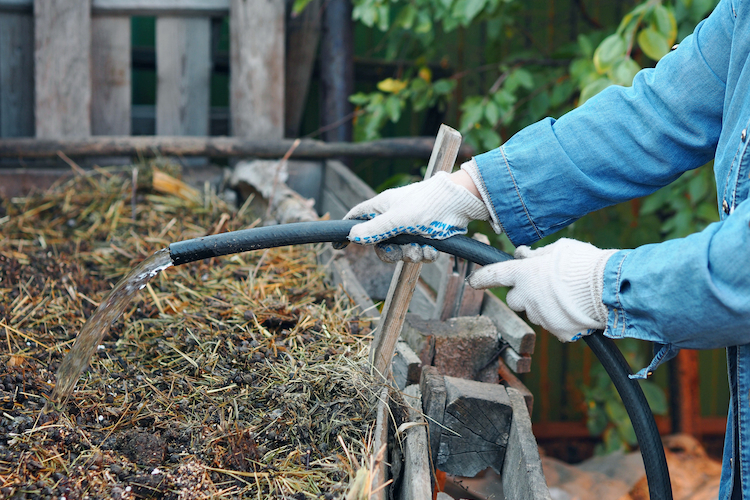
(237, 377)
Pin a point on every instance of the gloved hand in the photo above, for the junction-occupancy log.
(436, 208)
(559, 286)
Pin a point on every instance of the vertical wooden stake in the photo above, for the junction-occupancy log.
(383, 347)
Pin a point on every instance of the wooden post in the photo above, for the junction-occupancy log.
(685, 392)
(416, 484)
(62, 64)
(256, 52)
(16, 74)
(336, 70)
(111, 75)
(405, 278)
(183, 68)
(302, 37)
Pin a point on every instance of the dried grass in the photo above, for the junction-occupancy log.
(239, 377)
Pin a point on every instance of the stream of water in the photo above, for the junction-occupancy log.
(97, 325)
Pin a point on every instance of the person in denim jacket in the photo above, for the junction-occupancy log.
(626, 142)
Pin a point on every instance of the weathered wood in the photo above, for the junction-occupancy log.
(16, 74)
(16, 6)
(406, 276)
(432, 387)
(511, 328)
(464, 347)
(110, 75)
(686, 393)
(256, 82)
(220, 147)
(477, 422)
(302, 36)
(407, 367)
(336, 70)
(207, 8)
(306, 177)
(345, 185)
(522, 474)
(62, 64)
(380, 445)
(517, 362)
(416, 484)
(344, 276)
(509, 380)
(434, 272)
(183, 68)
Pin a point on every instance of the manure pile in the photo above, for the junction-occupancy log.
(237, 377)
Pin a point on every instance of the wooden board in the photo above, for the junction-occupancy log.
(256, 52)
(110, 75)
(205, 8)
(62, 63)
(511, 328)
(405, 278)
(522, 474)
(183, 67)
(416, 484)
(432, 387)
(16, 74)
(477, 423)
(302, 36)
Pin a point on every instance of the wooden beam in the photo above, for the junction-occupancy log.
(522, 474)
(416, 484)
(405, 278)
(476, 427)
(302, 37)
(407, 367)
(206, 8)
(685, 388)
(62, 64)
(111, 88)
(511, 328)
(16, 74)
(219, 147)
(183, 68)
(432, 387)
(256, 81)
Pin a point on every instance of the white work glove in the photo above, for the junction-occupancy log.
(559, 286)
(436, 208)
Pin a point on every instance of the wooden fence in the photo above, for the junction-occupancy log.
(65, 67)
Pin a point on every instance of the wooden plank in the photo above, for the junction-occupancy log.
(407, 274)
(511, 328)
(344, 276)
(477, 424)
(256, 81)
(16, 74)
(62, 63)
(432, 387)
(416, 484)
(17, 6)
(220, 147)
(434, 273)
(380, 447)
(407, 367)
(183, 67)
(688, 396)
(206, 8)
(345, 184)
(517, 362)
(302, 36)
(110, 75)
(522, 474)
(509, 380)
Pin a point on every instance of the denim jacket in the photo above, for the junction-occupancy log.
(627, 142)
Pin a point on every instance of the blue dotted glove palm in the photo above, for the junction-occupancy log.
(436, 208)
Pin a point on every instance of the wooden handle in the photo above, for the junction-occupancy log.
(405, 278)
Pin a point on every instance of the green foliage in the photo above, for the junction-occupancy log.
(607, 415)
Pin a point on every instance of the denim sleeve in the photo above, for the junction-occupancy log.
(624, 143)
(688, 293)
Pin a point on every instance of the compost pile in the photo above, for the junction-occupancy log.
(237, 377)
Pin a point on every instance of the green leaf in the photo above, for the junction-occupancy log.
(665, 23)
(472, 113)
(624, 71)
(424, 23)
(406, 17)
(393, 108)
(593, 88)
(488, 138)
(384, 16)
(471, 9)
(655, 396)
(366, 13)
(359, 99)
(299, 6)
(519, 78)
(597, 420)
(654, 44)
(539, 106)
(444, 86)
(612, 48)
(561, 92)
(491, 112)
(585, 46)
(653, 202)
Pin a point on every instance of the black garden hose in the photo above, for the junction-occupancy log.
(609, 355)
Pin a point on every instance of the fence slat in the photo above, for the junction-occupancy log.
(256, 52)
(302, 36)
(62, 62)
(110, 75)
(183, 68)
(16, 74)
(161, 7)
